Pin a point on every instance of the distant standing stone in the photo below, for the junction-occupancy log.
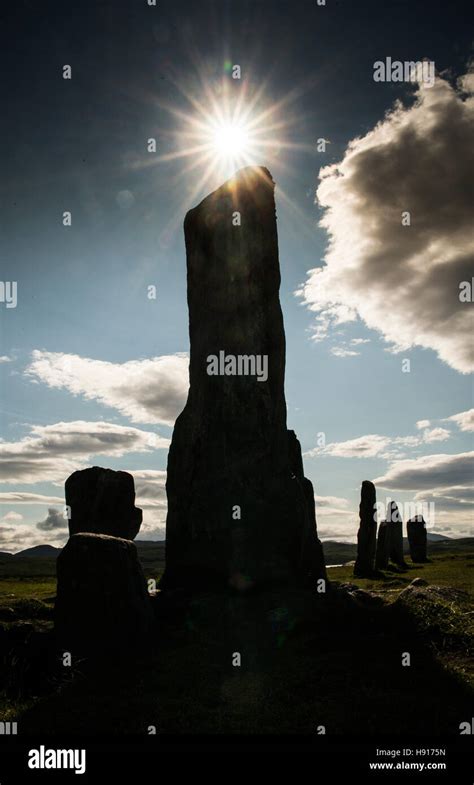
(366, 536)
(102, 501)
(383, 546)
(396, 535)
(417, 538)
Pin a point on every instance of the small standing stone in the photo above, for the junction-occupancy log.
(102, 599)
(102, 501)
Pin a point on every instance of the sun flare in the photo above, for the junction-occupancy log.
(221, 127)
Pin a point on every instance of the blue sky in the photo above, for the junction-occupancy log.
(94, 372)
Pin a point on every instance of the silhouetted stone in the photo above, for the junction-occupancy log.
(366, 536)
(240, 511)
(102, 501)
(417, 538)
(396, 535)
(382, 552)
(102, 599)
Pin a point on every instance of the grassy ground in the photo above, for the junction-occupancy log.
(306, 661)
(449, 569)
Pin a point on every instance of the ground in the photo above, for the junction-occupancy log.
(307, 660)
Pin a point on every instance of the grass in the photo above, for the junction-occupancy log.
(451, 569)
(12, 589)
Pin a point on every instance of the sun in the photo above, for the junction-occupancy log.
(231, 140)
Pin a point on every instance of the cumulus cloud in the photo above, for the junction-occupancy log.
(403, 281)
(428, 472)
(464, 420)
(52, 452)
(5, 359)
(53, 520)
(146, 391)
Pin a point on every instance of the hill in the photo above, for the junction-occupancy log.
(38, 551)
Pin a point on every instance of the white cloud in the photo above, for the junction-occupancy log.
(464, 420)
(19, 497)
(428, 472)
(327, 502)
(11, 516)
(403, 281)
(150, 488)
(436, 435)
(18, 537)
(458, 497)
(5, 359)
(361, 447)
(52, 452)
(339, 351)
(146, 391)
(421, 424)
(359, 341)
(374, 444)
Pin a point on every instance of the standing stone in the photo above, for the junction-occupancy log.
(103, 501)
(396, 535)
(102, 600)
(366, 536)
(383, 546)
(230, 445)
(417, 538)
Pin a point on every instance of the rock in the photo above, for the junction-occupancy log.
(102, 501)
(366, 536)
(417, 538)
(240, 511)
(383, 546)
(102, 599)
(396, 535)
(418, 582)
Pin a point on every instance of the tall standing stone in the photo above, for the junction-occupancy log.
(366, 536)
(417, 538)
(396, 535)
(240, 511)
